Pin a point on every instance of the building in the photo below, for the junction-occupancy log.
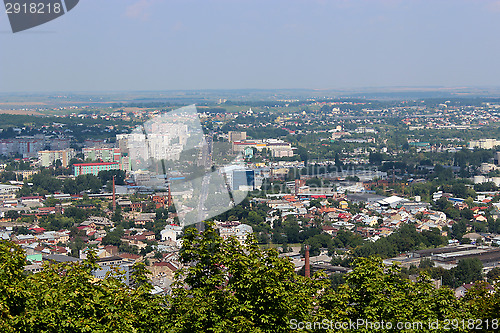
(7, 191)
(237, 136)
(94, 168)
(102, 154)
(278, 148)
(48, 157)
(171, 233)
(97, 222)
(243, 180)
(26, 173)
(7, 146)
(484, 143)
(239, 231)
(59, 143)
(114, 266)
(96, 143)
(29, 146)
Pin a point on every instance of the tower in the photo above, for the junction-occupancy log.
(169, 196)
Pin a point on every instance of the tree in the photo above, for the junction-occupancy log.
(426, 263)
(66, 298)
(233, 287)
(43, 182)
(12, 296)
(88, 182)
(468, 270)
(70, 186)
(12, 214)
(117, 215)
(107, 175)
(113, 237)
(377, 293)
(376, 158)
(226, 286)
(494, 274)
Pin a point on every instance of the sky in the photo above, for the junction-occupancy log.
(138, 45)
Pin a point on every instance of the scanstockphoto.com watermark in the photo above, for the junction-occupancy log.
(27, 14)
(364, 324)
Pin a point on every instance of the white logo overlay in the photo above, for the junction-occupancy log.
(170, 152)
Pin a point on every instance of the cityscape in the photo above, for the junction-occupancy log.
(249, 166)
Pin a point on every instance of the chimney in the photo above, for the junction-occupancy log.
(307, 266)
(114, 195)
(169, 197)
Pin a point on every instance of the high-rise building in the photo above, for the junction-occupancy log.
(102, 154)
(237, 136)
(29, 146)
(243, 180)
(59, 143)
(48, 157)
(484, 143)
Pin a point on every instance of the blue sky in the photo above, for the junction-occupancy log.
(116, 45)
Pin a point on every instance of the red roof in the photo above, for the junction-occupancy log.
(327, 209)
(37, 230)
(167, 264)
(96, 164)
(48, 209)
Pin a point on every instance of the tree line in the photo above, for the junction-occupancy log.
(226, 286)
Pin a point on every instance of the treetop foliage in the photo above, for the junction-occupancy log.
(224, 286)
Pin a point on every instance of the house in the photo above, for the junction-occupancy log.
(111, 249)
(139, 239)
(343, 204)
(171, 233)
(461, 205)
(330, 230)
(163, 269)
(114, 266)
(137, 206)
(130, 257)
(144, 218)
(463, 289)
(480, 218)
(97, 222)
(342, 224)
(474, 237)
(240, 231)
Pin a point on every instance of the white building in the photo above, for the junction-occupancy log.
(170, 233)
(48, 157)
(240, 231)
(484, 143)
